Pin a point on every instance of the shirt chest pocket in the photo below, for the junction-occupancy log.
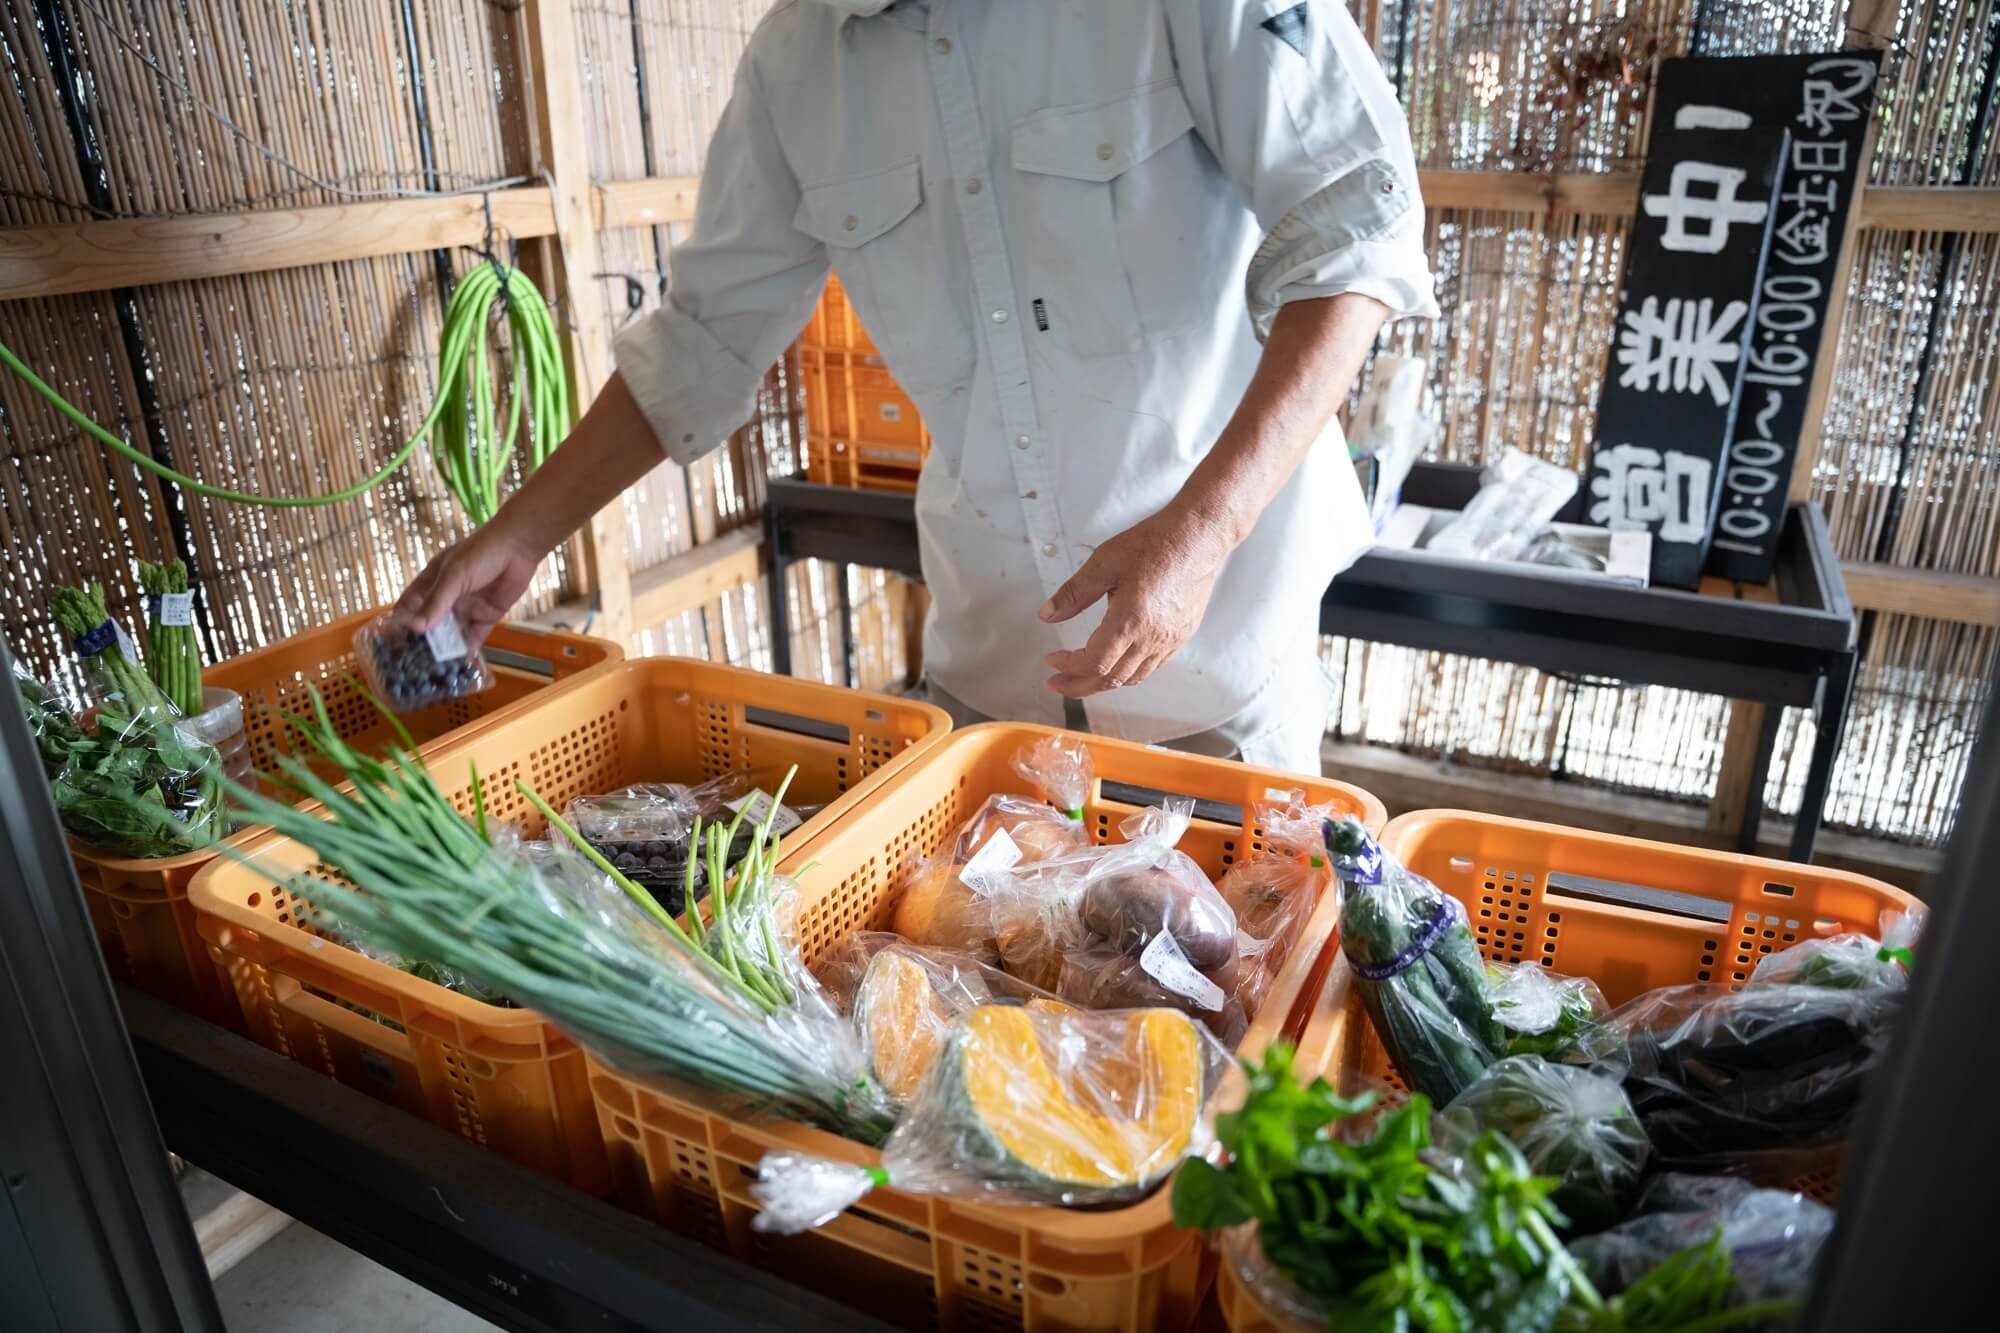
(1110, 214)
(884, 242)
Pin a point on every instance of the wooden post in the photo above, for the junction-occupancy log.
(550, 83)
(1737, 778)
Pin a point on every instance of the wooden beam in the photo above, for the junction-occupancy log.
(1406, 782)
(71, 257)
(553, 82)
(695, 578)
(1931, 208)
(645, 203)
(1964, 599)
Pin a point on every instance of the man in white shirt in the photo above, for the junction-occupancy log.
(1127, 256)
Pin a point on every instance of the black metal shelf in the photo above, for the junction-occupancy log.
(1796, 650)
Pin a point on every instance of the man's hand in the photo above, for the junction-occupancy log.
(1156, 576)
(481, 577)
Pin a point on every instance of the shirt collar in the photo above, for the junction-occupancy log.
(850, 9)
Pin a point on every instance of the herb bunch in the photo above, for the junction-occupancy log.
(1385, 1232)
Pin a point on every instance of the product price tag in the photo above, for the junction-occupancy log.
(176, 608)
(1164, 962)
(447, 641)
(999, 855)
(757, 804)
(125, 644)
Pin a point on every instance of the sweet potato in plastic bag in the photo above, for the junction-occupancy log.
(1027, 1104)
(1141, 897)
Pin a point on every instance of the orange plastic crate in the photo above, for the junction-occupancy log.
(506, 1078)
(139, 907)
(1499, 868)
(945, 1263)
(861, 428)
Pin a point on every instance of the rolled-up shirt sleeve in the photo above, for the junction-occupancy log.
(1297, 111)
(740, 288)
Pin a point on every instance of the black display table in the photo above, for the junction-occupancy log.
(1789, 644)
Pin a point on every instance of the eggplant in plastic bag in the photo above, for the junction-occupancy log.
(1569, 1122)
(1027, 1105)
(1763, 1080)
(1851, 961)
(1773, 1236)
(1415, 965)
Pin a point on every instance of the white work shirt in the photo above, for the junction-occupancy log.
(1056, 220)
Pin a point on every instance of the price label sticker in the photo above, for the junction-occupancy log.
(125, 644)
(1164, 962)
(447, 641)
(757, 804)
(999, 855)
(177, 608)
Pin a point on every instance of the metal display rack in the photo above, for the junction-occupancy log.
(1795, 647)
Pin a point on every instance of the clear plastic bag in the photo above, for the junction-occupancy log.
(1569, 1122)
(1773, 1236)
(556, 935)
(1415, 966)
(1274, 894)
(133, 780)
(1518, 495)
(1544, 1013)
(1851, 961)
(644, 830)
(1141, 898)
(51, 721)
(904, 997)
(409, 671)
(1763, 1081)
(1027, 1104)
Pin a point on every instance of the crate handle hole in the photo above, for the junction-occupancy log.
(253, 900)
(626, 1129)
(1826, 925)
(1780, 890)
(1048, 1284)
(1461, 865)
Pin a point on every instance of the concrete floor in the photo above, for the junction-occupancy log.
(301, 1282)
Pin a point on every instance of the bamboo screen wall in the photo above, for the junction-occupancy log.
(586, 120)
(1909, 467)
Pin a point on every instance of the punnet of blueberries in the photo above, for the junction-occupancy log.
(405, 673)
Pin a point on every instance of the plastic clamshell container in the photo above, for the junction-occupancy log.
(502, 1077)
(1696, 915)
(944, 1263)
(139, 907)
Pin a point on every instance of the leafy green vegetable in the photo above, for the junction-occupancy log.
(1383, 1231)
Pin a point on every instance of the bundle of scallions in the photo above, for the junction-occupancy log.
(405, 872)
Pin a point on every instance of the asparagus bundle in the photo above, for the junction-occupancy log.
(171, 656)
(593, 953)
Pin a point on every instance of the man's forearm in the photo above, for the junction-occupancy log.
(610, 450)
(1315, 350)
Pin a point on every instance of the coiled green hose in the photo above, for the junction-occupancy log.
(460, 422)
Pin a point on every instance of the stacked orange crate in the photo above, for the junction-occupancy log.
(861, 428)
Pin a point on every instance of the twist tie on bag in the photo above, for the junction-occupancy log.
(1442, 916)
(97, 640)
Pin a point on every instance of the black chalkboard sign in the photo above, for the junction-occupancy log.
(1668, 406)
(1824, 100)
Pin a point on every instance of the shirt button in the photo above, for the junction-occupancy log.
(999, 317)
(972, 186)
(1021, 441)
(1049, 549)
(943, 45)
(850, 222)
(1388, 187)
(1104, 152)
